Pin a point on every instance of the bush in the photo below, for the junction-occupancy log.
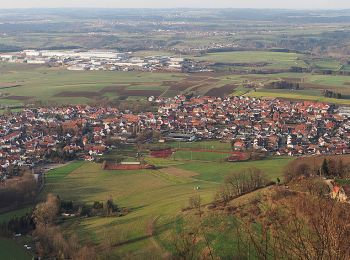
(97, 205)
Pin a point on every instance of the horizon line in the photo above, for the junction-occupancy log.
(173, 8)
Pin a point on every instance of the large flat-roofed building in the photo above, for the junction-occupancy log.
(32, 53)
(101, 54)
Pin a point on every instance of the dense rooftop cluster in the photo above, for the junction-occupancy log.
(40, 135)
(279, 127)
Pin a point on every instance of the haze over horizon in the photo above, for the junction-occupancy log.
(268, 4)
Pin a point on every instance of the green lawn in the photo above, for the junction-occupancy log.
(200, 156)
(206, 145)
(216, 171)
(16, 213)
(10, 250)
(56, 175)
(326, 64)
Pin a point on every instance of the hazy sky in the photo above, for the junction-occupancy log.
(292, 4)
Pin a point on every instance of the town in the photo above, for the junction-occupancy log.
(37, 136)
(95, 60)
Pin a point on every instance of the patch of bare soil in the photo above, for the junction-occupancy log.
(222, 91)
(86, 94)
(114, 88)
(20, 98)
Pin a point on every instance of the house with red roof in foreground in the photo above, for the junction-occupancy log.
(340, 193)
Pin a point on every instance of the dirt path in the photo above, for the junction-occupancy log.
(150, 230)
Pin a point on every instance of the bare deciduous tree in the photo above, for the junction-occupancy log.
(46, 213)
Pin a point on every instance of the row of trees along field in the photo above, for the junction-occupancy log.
(240, 183)
(332, 94)
(18, 191)
(330, 168)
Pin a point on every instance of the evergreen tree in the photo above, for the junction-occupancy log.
(324, 168)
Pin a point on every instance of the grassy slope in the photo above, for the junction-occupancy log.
(216, 171)
(16, 213)
(149, 194)
(10, 250)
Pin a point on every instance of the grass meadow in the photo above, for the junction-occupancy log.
(11, 250)
(153, 196)
(273, 59)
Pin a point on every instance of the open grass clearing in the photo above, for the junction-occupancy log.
(216, 171)
(273, 59)
(148, 194)
(5, 217)
(11, 250)
(179, 172)
(297, 96)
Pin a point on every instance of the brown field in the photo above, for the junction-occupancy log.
(114, 88)
(222, 91)
(182, 85)
(20, 98)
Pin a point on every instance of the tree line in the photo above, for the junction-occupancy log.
(284, 85)
(18, 191)
(332, 94)
(239, 183)
(329, 168)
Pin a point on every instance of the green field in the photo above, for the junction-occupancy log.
(149, 194)
(16, 213)
(297, 96)
(25, 84)
(275, 60)
(216, 171)
(11, 250)
(206, 145)
(200, 156)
